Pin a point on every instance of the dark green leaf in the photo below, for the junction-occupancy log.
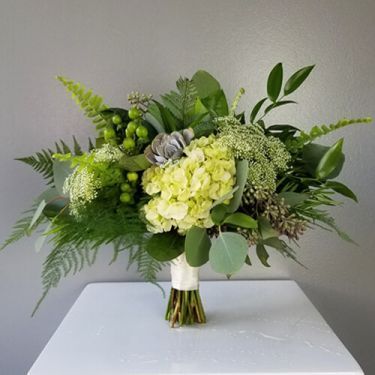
(297, 79)
(228, 253)
(197, 246)
(218, 213)
(330, 160)
(205, 83)
(274, 242)
(274, 82)
(279, 104)
(165, 246)
(266, 229)
(239, 219)
(292, 199)
(216, 103)
(342, 189)
(247, 260)
(262, 254)
(256, 109)
(242, 170)
(312, 153)
(135, 163)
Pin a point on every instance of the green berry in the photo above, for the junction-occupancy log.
(132, 176)
(125, 198)
(128, 143)
(109, 133)
(142, 132)
(134, 113)
(132, 127)
(116, 119)
(125, 187)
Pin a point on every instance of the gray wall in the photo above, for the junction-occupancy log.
(119, 46)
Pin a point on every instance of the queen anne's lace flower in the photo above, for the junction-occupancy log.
(184, 191)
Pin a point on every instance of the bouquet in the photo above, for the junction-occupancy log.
(184, 179)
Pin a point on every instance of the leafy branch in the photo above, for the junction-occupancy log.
(91, 104)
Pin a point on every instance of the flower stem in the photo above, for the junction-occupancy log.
(184, 307)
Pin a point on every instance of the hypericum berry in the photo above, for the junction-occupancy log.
(132, 176)
(109, 133)
(125, 198)
(131, 127)
(116, 119)
(134, 113)
(125, 187)
(142, 132)
(128, 143)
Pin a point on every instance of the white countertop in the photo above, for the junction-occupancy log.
(253, 327)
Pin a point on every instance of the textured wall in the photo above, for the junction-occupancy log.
(118, 46)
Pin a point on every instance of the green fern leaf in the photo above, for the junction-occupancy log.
(181, 103)
(318, 131)
(22, 227)
(91, 104)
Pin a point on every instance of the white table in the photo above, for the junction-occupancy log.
(254, 327)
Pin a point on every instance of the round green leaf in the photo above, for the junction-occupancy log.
(197, 246)
(165, 246)
(228, 253)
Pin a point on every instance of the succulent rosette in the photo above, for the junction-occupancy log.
(183, 180)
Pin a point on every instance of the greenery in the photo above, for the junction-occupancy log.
(185, 176)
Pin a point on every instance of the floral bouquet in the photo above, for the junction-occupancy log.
(184, 180)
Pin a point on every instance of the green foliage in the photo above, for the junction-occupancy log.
(318, 131)
(297, 79)
(239, 219)
(228, 252)
(197, 246)
(25, 226)
(262, 254)
(274, 82)
(75, 245)
(330, 160)
(42, 162)
(165, 246)
(91, 104)
(181, 103)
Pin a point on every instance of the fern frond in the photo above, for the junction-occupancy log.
(181, 103)
(318, 131)
(42, 162)
(61, 262)
(22, 227)
(91, 104)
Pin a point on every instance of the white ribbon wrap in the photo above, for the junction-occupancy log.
(184, 276)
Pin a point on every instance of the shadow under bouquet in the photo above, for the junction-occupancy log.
(184, 180)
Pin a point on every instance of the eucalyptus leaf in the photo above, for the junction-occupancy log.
(297, 79)
(242, 220)
(197, 246)
(228, 253)
(256, 109)
(342, 189)
(242, 170)
(135, 163)
(165, 246)
(262, 254)
(274, 82)
(61, 171)
(330, 160)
